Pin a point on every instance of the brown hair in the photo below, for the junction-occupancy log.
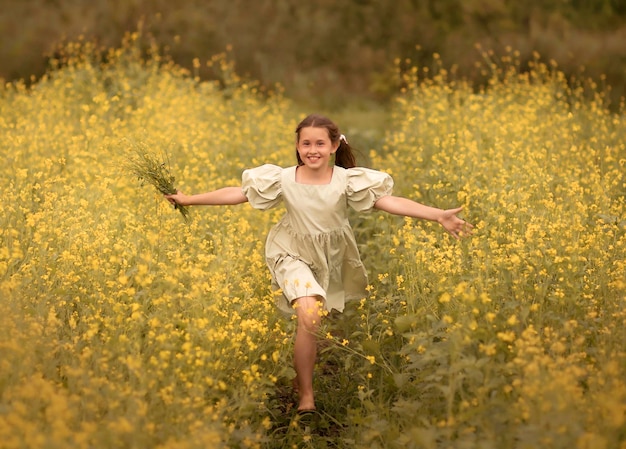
(344, 157)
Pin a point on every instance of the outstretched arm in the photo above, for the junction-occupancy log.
(221, 197)
(398, 205)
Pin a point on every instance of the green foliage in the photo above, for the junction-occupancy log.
(326, 53)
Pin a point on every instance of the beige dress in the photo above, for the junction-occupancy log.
(312, 251)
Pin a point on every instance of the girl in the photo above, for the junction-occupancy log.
(312, 253)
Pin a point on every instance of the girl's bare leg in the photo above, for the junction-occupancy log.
(305, 348)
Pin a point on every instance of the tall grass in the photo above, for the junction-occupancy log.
(126, 327)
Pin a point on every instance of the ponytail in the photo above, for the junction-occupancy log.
(344, 157)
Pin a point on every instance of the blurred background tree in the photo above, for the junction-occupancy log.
(328, 52)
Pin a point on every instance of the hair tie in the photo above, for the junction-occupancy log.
(342, 137)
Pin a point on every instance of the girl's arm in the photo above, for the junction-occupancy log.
(221, 197)
(447, 218)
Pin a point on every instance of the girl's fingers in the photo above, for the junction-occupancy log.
(170, 199)
(458, 227)
(464, 228)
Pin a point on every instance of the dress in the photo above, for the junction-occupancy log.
(312, 251)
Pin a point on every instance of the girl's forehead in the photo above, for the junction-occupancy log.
(313, 132)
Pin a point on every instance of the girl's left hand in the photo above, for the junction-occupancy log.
(456, 226)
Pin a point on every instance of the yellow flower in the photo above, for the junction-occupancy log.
(487, 349)
(507, 336)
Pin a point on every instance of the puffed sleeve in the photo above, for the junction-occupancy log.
(366, 186)
(262, 186)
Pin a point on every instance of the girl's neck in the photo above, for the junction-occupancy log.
(305, 175)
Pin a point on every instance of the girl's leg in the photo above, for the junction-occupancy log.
(308, 311)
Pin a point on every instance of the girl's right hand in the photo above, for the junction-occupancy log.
(176, 198)
(456, 226)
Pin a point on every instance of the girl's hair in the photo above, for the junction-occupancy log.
(344, 156)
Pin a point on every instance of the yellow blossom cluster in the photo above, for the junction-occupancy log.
(123, 326)
(515, 335)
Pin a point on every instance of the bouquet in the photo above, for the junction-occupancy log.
(154, 170)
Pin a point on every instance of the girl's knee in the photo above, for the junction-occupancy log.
(309, 311)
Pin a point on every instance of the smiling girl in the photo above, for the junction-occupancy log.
(311, 252)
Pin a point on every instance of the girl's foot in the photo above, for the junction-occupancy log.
(306, 405)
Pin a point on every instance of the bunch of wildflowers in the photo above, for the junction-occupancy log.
(154, 170)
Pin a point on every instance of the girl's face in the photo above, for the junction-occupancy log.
(315, 147)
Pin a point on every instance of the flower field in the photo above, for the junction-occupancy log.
(125, 326)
